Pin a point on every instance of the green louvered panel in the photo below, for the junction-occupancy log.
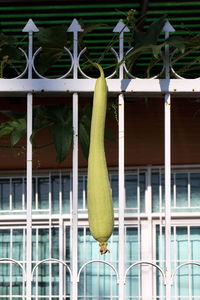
(183, 15)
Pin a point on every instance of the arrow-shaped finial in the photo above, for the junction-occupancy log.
(75, 27)
(121, 27)
(30, 27)
(168, 27)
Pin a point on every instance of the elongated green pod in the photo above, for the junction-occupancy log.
(99, 199)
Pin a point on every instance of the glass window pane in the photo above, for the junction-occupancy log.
(66, 190)
(81, 191)
(43, 193)
(55, 191)
(4, 194)
(55, 242)
(18, 251)
(43, 243)
(4, 243)
(115, 190)
(17, 191)
(155, 186)
(181, 189)
(131, 183)
(195, 189)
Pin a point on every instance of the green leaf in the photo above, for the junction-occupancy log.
(84, 128)
(109, 135)
(156, 49)
(12, 52)
(52, 40)
(51, 37)
(6, 40)
(13, 115)
(151, 36)
(45, 60)
(84, 139)
(178, 43)
(5, 130)
(62, 138)
(17, 128)
(16, 136)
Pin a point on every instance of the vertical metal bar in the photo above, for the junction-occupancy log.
(61, 241)
(75, 197)
(161, 248)
(30, 53)
(10, 264)
(61, 258)
(24, 259)
(50, 235)
(146, 243)
(37, 259)
(189, 266)
(168, 193)
(121, 196)
(29, 196)
(121, 54)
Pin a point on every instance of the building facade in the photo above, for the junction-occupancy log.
(46, 249)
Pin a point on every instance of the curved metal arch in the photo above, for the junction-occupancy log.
(51, 260)
(88, 77)
(26, 67)
(61, 77)
(135, 77)
(182, 265)
(99, 261)
(146, 263)
(15, 262)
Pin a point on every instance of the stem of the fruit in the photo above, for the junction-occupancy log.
(103, 248)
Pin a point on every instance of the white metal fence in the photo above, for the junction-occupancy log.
(80, 83)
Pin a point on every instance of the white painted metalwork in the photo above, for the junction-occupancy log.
(123, 86)
(51, 260)
(98, 261)
(121, 196)
(167, 111)
(74, 245)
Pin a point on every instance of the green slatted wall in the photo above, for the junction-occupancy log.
(13, 17)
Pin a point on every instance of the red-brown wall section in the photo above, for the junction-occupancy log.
(144, 137)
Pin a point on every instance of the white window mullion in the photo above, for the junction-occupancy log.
(11, 194)
(23, 194)
(174, 190)
(189, 191)
(36, 193)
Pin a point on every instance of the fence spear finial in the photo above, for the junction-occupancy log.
(121, 28)
(167, 28)
(30, 27)
(75, 27)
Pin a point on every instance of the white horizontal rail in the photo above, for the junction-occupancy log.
(143, 86)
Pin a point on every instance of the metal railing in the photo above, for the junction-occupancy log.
(122, 84)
